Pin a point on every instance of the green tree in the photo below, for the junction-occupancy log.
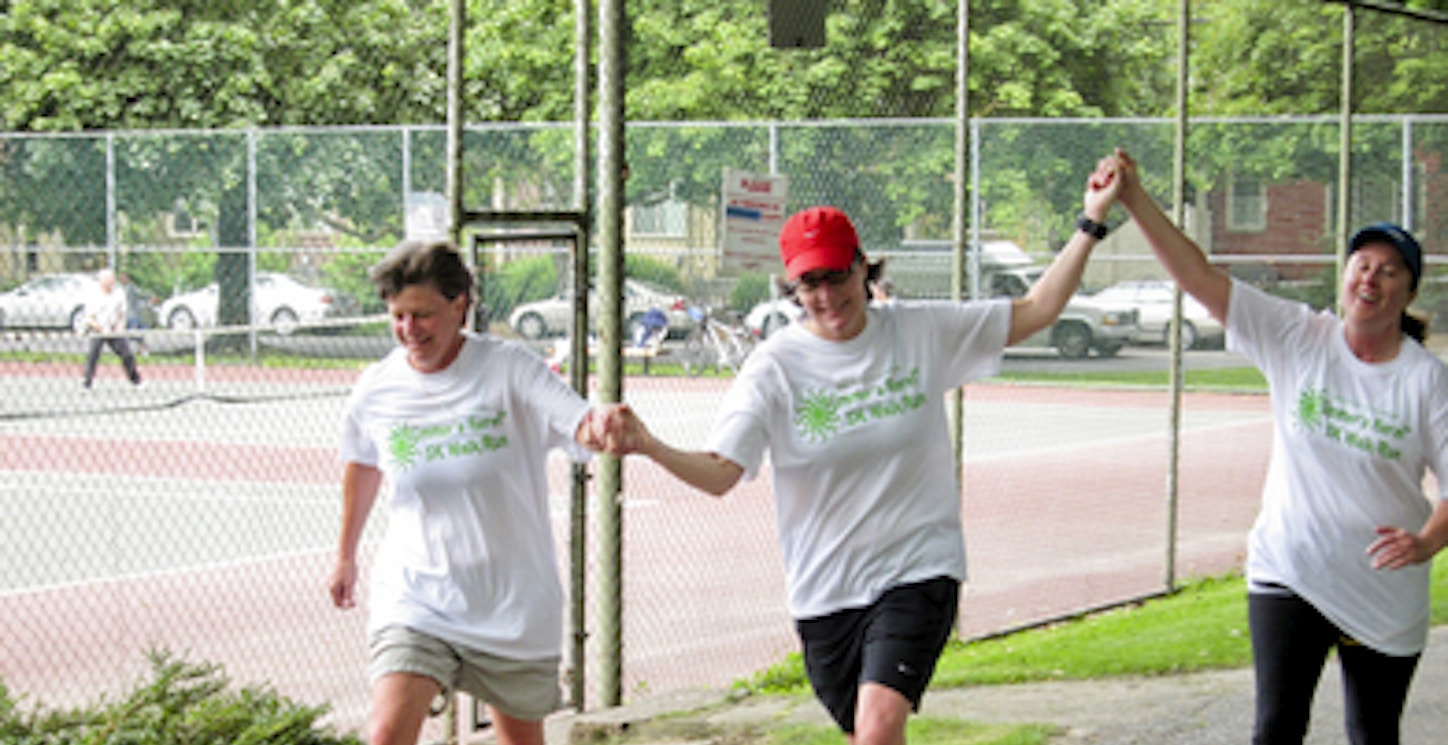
(1256, 57)
(697, 59)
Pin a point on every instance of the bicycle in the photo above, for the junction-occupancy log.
(719, 340)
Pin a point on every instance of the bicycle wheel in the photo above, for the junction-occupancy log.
(695, 354)
(732, 350)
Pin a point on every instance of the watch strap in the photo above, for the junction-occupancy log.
(1091, 227)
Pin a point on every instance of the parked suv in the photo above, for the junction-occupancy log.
(1085, 324)
(922, 269)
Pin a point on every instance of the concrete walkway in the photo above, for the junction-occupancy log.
(1211, 708)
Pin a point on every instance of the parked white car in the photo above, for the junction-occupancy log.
(277, 299)
(772, 315)
(1152, 299)
(48, 301)
(552, 316)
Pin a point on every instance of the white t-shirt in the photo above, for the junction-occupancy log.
(867, 494)
(468, 556)
(107, 310)
(1351, 441)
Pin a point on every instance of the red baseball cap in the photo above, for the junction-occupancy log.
(817, 238)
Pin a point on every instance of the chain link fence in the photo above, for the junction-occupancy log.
(199, 513)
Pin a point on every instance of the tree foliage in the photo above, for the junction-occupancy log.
(68, 65)
(1254, 57)
(107, 64)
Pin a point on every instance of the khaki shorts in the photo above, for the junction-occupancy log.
(522, 689)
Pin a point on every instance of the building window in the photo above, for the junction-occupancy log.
(1246, 204)
(664, 217)
(1375, 199)
(182, 222)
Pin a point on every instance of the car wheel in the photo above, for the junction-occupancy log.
(772, 323)
(633, 327)
(531, 326)
(181, 319)
(1189, 335)
(77, 320)
(285, 319)
(1072, 340)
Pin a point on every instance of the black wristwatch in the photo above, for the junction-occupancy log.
(1091, 227)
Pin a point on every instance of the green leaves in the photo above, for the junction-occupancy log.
(182, 704)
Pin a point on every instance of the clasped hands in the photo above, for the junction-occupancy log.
(614, 429)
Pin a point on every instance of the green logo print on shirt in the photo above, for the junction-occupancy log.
(469, 435)
(821, 414)
(1344, 422)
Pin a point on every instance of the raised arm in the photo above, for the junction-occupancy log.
(1178, 254)
(1043, 303)
(624, 433)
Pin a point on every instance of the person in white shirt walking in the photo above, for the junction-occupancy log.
(1340, 555)
(465, 593)
(105, 321)
(849, 405)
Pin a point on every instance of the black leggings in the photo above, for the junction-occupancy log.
(1290, 642)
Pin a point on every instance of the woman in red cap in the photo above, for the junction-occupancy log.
(1341, 550)
(847, 403)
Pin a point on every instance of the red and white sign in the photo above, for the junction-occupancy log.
(752, 216)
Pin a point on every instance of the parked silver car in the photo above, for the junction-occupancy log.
(278, 300)
(1152, 299)
(552, 316)
(1084, 325)
(48, 301)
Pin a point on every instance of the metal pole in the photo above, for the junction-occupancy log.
(611, 167)
(251, 305)
(1344, 155)
(1179, 190)
(955, 410)
(1406, 213)
(454, 186)
(111, 200)
(578, 371)
(406, 174)
(773, 149)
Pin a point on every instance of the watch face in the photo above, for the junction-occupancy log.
(1091, 227)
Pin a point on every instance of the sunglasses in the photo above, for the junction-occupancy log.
(831, 277)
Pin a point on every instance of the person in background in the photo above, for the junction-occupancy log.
(882, 290)
(848, 404)
(1339, 556)
(465, 593)
(105, 321)
(135, 302)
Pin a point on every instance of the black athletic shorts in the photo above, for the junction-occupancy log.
(895, 642)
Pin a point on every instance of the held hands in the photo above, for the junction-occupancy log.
(614, 429)
(1116, 178)
(1102, 188)
(1127, 173)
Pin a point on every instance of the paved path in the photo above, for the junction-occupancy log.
(1210, 708)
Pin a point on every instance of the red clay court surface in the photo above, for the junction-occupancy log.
(1061, 514)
